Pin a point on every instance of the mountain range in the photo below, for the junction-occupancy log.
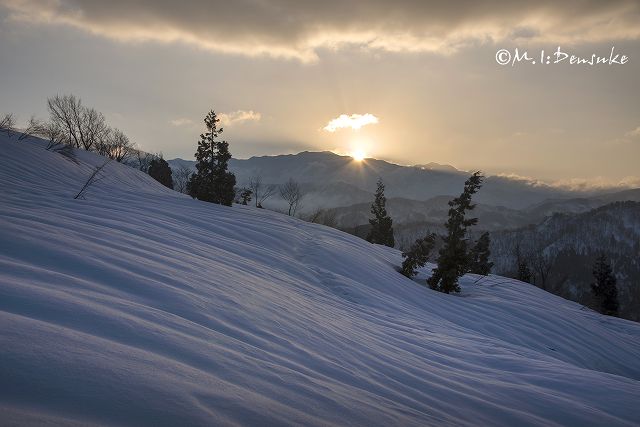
(415, 194)
(565, 245)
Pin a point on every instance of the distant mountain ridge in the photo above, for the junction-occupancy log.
(437, 166)
(491, 218)
(434, 210)
(337, 181)
(583, 204)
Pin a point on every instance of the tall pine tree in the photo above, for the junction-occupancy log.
(479, 256)
(453, 259)
(604, 289)
(381, 224)
(212, 182)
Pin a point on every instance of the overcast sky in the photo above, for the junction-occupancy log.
(406, 81)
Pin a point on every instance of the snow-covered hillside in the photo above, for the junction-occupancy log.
(140, 306)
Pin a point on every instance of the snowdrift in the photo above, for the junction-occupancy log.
(141, 306)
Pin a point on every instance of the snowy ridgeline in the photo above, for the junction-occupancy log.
(141, 306)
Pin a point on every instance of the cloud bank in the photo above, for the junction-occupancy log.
(238, 117)
(290, 29)
(633, 133)
(226, 119)
(354, 121)
(578, 184)
(181, 121)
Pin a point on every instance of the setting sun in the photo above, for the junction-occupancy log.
(358, 155)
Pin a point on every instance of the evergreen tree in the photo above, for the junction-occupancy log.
(604, 289)
(453, 258)
(418, 255)
(212, 182)
(479, 256)
(524, 273)
(160, 171)
(381, 224)
(245, 196)
(522, 267)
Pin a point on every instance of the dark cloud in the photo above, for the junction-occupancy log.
(295, 29)
(524, 33)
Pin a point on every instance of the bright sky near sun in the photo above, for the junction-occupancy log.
(358, 154)
(417, 83)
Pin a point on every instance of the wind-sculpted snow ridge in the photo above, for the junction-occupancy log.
(140, 306)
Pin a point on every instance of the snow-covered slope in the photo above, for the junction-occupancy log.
(140, 306)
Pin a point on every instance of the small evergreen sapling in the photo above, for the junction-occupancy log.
(524, 273)
(417, 255)
(381, 223)
(245, 196)
(522, 267)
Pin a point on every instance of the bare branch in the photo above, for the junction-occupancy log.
(34, 127)
(261, 192)
(8, 123)
(326, 217)
(65, 150)
(181, 177)
(143, 159)
(114, 144)
(542, 265)
(93, 178)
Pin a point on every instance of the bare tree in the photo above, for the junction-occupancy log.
(34, 128)
(93, 128)
(95, 176)
(55, 137)
(181, 177)
(292, 193)
(8, 123)
(542, 265)
(63, 112)
(52, 133)
(115, 145)
(314, 216)
(326, 217)
(121, 147)
(143, 160)
(82, 127)
(261, 191)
